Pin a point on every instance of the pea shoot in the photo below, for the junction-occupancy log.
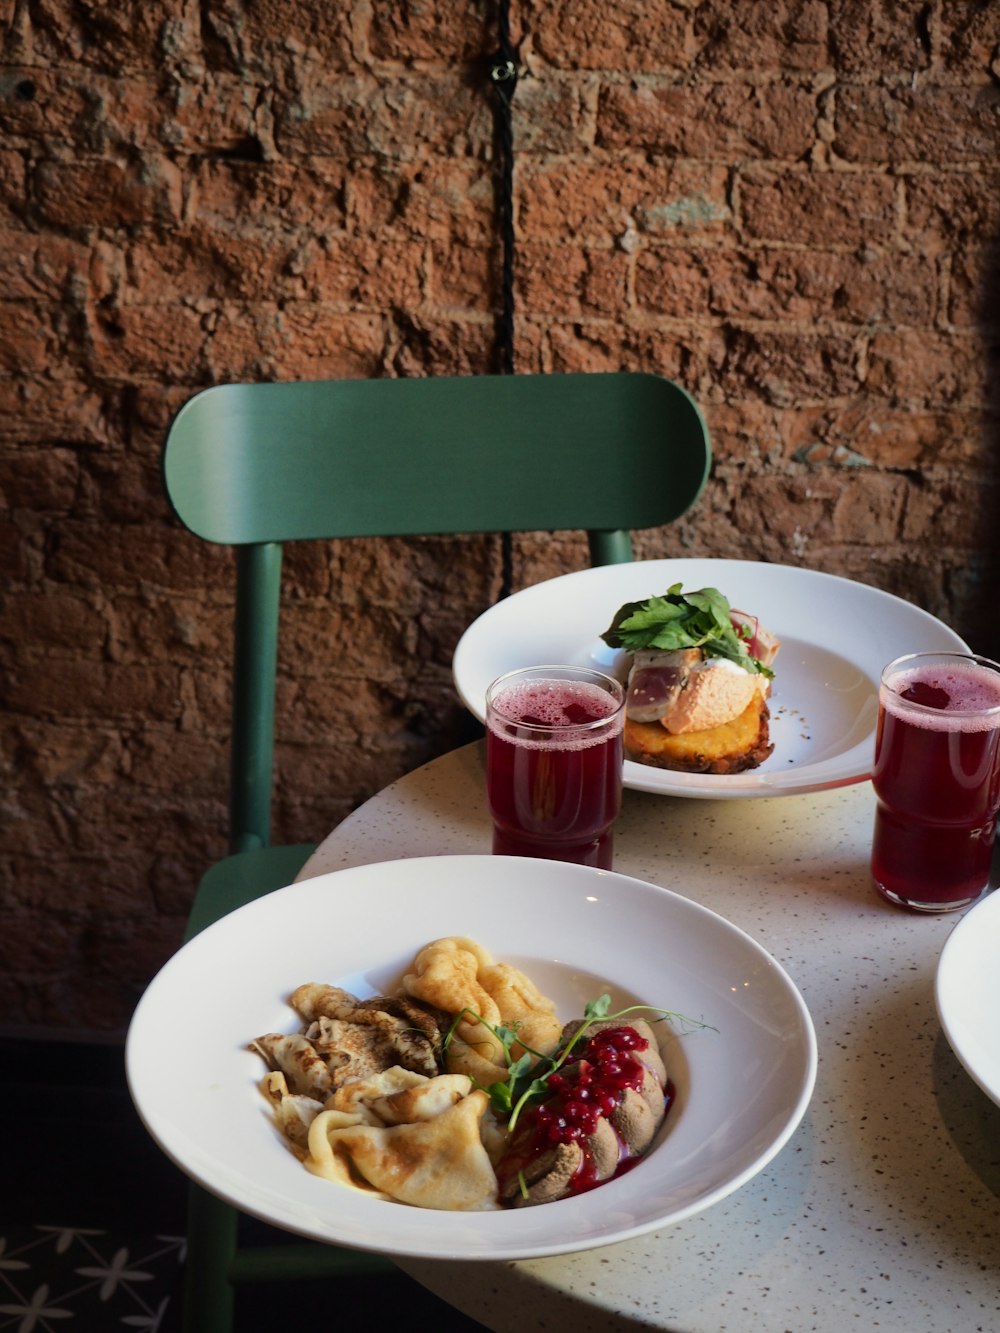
(528, 1074)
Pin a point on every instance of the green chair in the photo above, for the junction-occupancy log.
(257, 465)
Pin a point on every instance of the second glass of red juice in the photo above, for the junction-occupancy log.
(936, 780)
(554, 763)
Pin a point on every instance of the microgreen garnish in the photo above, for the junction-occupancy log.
(675, 620)
(528, 1074)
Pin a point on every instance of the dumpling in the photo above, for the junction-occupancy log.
(438, 1163)
(293, 1112)
(295, 1057)
(456, 973)
(395, 1030)
(400, 1096)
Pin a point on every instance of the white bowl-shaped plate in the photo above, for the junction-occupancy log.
(836, 637)
(967, 991)
(578, 932)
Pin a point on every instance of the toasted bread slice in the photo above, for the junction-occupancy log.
(734, 746)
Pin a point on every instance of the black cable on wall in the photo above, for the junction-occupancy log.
(503, 73)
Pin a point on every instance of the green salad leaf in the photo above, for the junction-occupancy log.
(683, 620)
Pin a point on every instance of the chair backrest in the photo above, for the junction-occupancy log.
(255, 465)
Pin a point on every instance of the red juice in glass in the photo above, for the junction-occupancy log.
(936, 780)
(554, 763)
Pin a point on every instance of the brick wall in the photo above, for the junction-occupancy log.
(791, 206)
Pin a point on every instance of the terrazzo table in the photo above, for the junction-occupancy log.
(883, 1210)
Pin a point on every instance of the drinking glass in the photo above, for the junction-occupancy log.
(554, 763)
(936, 779)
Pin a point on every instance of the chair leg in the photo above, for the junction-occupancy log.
(211, 1245)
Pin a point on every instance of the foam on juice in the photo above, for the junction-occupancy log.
(973, 698)
(574, 705)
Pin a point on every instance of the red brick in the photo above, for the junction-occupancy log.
(149, 340)
(551, 115)
(594, 346)
(597, 202)
(715, 121)
(58, 622)
(972, 287)
(437, 346)
(359, 272)
(949, 511)
(927, 370)
(214, 264)
(265, 37)
(565, 281)
(869, 507)
(761, 34)
(891, 37)
(107, 193)
(358, 117)
(258, 199)
(743, 430)
(585, 34)
(215, 115)
(42, 105)
(449, 200)
(874, 430)
(785, 368)
(27, 344)
(191, 631)
(970, 38)
(922, 124)
(120, 487)
(33, 266)
(104, 36)
(52, 753)
(427, 33)
(75, 687)
(179, 762)
(821, 208)
(462, 277)
(857, 288)
(947, 208)
(299, 341)
(12, 186)
(39, 479)
(113, 558)
(37, 410)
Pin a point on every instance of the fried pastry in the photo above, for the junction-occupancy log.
(457, 974)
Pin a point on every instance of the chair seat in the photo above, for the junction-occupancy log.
(243, 877)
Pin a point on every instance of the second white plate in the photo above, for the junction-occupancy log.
(836, 637)
(967, 992)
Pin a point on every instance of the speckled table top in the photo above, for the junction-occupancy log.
(883, 1210)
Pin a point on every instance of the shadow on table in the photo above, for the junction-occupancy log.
(971, 1119)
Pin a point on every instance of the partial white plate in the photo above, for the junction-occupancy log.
(578, 932)
(836, 637)
(967, 992)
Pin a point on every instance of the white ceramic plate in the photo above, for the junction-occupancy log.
(578, 932)
(967, 992)
(836, 637)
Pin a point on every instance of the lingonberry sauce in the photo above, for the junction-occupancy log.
(589, 1085)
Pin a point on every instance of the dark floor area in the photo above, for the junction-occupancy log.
(92, 1214)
